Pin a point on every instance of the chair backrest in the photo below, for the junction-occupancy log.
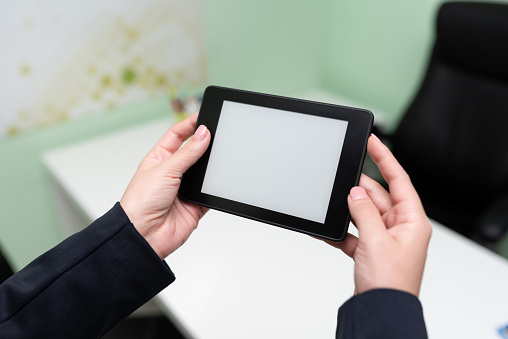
(453, 140)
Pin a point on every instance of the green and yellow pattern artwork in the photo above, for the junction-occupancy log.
(67, 59)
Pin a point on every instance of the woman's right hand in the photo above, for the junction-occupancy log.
(393, 229)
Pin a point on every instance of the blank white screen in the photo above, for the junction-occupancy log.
(275, 159)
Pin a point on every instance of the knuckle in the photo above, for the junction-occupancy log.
(189, 149)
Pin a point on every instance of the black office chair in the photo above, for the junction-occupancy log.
(453, 140)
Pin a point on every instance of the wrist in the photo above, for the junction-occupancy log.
(403, 285)
(138, 224)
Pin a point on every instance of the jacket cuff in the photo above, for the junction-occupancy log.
(382, 313)
(140, 255)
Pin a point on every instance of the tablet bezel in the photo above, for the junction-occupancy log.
(348, 172)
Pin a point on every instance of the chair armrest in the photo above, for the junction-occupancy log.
(492, 223)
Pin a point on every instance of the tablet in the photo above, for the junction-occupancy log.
(282, 161)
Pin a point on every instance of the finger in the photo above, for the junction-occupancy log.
(367, 218)
(377, 193)
(348, 246)
(188, 154)
(176, 135)
(191, 205)
(401, 188)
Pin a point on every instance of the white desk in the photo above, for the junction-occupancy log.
(237, 278)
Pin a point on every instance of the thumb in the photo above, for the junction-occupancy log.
(189, 153)
(367, 218)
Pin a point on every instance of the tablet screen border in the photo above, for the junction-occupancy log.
(348, 172)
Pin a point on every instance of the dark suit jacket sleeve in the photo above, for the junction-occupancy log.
(381, 313)
(85, 285)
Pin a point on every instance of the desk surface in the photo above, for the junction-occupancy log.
(238, 278)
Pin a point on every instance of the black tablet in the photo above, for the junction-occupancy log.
(282, 161)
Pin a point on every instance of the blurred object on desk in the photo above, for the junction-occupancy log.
(185, 101)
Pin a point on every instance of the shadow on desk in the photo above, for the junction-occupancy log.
(153, 327)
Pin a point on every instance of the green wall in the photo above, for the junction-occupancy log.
(266, 45)
(377, 50)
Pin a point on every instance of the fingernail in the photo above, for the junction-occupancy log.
(375, 137)
(200, 133)
(358, 193)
